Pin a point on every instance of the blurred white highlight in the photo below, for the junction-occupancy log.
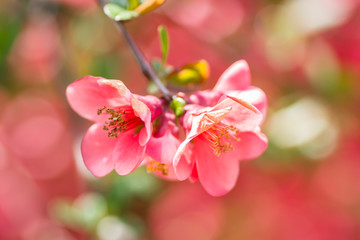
(306, 125)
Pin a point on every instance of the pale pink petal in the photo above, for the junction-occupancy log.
(205, 98)
(143, 112)
(153, 103)
(252, 95)
(190, 110)
(205, 120)
(183, 162)
(162, 149)
(87, 95)
(200, 123)
(194, 175)
(122, 90)
(243, 115)
(97, 149)
(250, 146)
(236, 77)
(217, 174)
(145, 134)
(127, 154)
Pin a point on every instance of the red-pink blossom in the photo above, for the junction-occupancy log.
(219, 136)
(123, 124)
(163, 145)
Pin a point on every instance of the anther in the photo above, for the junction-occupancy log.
(155, 166)
(220, 136)
(119, 120)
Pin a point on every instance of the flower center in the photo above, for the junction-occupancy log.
(159, 167)
(219, 136)
(120, 119)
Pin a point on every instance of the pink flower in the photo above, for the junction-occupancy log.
(162, 147)
(235, 81)
(123, 124)
(219, 137)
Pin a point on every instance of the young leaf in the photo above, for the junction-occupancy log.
(189, 74)
(164, 43)
(122, 3)
(126, 15)
(156, 65)
(112, 10)
(118, 13)
(133, 4)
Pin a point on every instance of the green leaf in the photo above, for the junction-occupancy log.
(118, 13)
(122, 3)
(156, 65)
(126, 15)
(133, 4)
(190, 74)
(164, 43)
(112, 10)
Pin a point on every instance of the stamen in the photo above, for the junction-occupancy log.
(219, 136)
(159, 167)
(121, 119)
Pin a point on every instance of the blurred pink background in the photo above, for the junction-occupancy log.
(304, 54)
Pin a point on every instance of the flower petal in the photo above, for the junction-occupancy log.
(97, 149)
(217, 174)
(87, 95)
(250, 146)
(243, 115)
(153, 103)
(200, 122)
(236, 77)
(128, 154)
(205, 98)
(183, 162)
(162, 149)
(252, 95)
(143, 112)
(122, 90)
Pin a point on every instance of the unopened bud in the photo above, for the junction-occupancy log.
(177, 105)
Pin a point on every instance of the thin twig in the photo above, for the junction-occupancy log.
(143, 63)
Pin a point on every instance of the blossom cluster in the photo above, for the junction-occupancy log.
(219, 128)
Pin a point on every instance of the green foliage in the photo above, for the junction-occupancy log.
(190, 74)
(118, 13)
(9, 28)
(85, 212)
(133, 4)
(122, 3)
(162, 71)
(164, 43)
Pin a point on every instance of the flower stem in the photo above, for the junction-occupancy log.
(143, 63)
